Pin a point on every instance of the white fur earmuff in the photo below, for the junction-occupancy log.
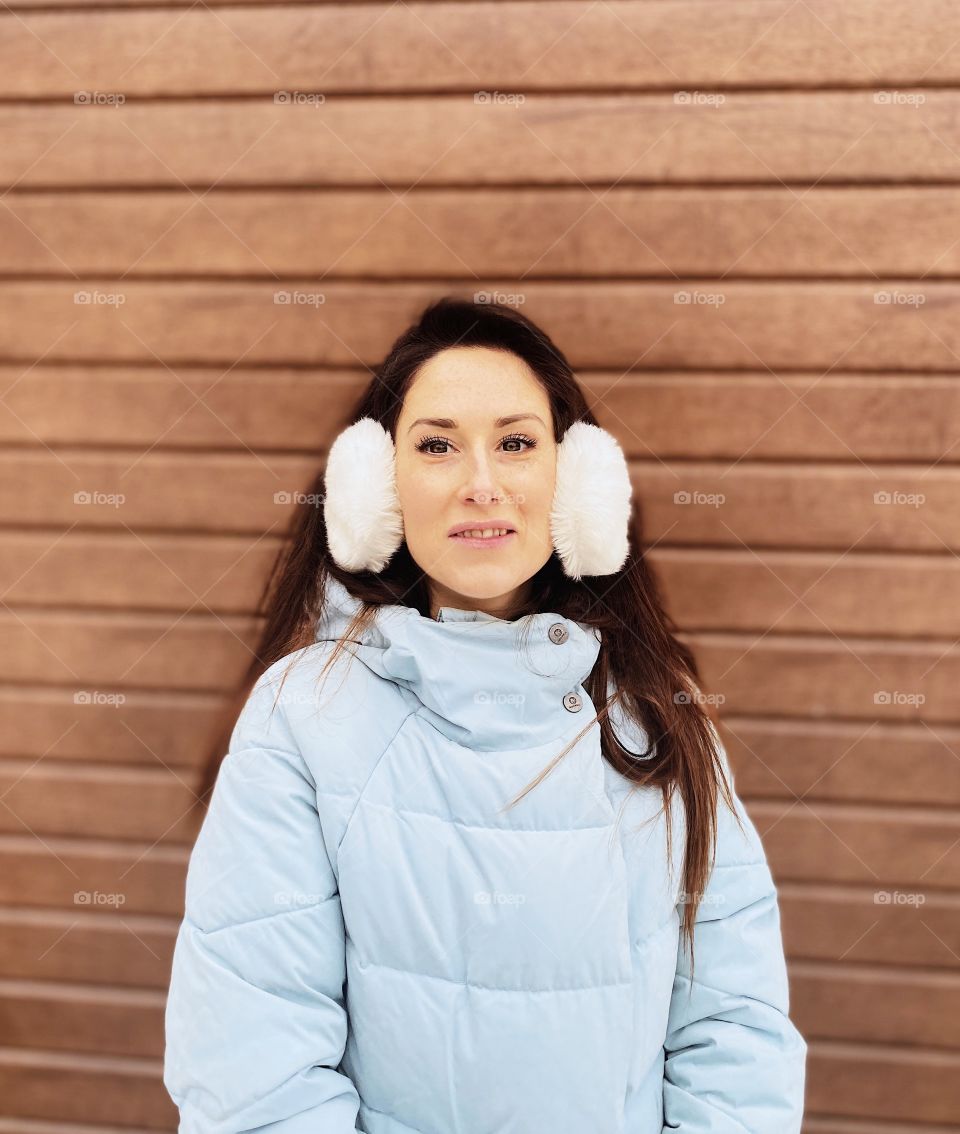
(591, 502)
(360, 504)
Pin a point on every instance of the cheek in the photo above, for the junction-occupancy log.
(420, 497)
(536, 504)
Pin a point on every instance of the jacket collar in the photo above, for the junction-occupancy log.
(482, 681)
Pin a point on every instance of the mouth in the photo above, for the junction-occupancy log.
(485, 535)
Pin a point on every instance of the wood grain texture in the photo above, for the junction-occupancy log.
(848, 924)
(691, 325)
(73, 946)
(440, 46)
(445, 139)
(103, 1089)
(628, 231)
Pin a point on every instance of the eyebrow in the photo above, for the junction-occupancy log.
(449, 423)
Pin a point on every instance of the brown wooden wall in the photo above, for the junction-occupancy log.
(741, 220)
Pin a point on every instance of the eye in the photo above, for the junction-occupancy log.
(424, 445)
(522, 437)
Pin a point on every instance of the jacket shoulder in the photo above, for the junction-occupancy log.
(339, 721)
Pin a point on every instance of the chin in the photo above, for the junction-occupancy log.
(486, 583)
(480, 589)
(483, 579)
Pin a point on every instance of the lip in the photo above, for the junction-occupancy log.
(479, 525)
(491, 542)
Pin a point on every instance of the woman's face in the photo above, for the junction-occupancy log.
(459, 462)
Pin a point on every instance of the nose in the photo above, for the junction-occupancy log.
(482, 484)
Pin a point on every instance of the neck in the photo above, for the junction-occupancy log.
(503, 606)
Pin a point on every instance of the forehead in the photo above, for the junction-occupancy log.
(474, 384)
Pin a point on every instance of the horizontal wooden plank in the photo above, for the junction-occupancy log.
(890, 1083)
(88, 875)
(830, 677)
(819, 1124)
(101, 654)
(116, 803)
(232, 492)
(845, 761)
(809, 592)
(690, 325)
(520, 233)
(87, 5)
(907, 853)
(186, 408)
(88, 1088)
(848, 1002)
(845, 508)
(129, 571)
(155, 730)
(847, 923)
(62, 1017)
(444, 139)
(133, 950)
(828, 417)
(40, 1126)
(381, 47)
(674, 415)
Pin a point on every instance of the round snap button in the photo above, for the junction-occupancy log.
(572, 702)
(558, 633)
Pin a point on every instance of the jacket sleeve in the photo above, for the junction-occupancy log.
(255, 1017)
(734, 1062)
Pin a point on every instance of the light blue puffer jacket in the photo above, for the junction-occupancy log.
(371, 943)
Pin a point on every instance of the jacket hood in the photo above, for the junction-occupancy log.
(485, 682)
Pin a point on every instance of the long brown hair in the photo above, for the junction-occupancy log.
(653, 675)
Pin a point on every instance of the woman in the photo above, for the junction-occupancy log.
(495, 879)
